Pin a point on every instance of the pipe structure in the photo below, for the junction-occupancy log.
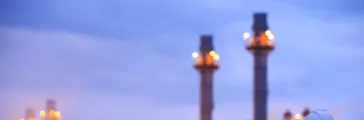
(206, 63)
(260, 45)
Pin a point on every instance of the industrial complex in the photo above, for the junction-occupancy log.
(259, 43)
(50, 112)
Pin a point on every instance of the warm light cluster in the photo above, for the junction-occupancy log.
(210, 59)
(298, 117)
(265, 39)
(52, 114)
(28, 119)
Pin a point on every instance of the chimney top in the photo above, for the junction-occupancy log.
(206, 43)
(260, 22)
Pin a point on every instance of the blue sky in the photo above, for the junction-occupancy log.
(117, 59)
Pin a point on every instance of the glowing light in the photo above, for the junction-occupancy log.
(246, 35)
(212, 53)
(21, 118)
(30, 118)
(298, 116)
(194, 54)
(216, 56)
(57, 114)
(269, 34)
(42, 113)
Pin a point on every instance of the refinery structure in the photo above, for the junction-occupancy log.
(260, 43)
(50, 112)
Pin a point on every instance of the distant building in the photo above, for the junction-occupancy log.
(288, 115)
(30, 114)
(305, 112)
(51, 112)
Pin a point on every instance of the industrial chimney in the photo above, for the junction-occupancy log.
(260, 45)
(206, 63)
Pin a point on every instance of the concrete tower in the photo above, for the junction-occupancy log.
(50, 110)
(206, 64)
(29, 114)
(50, 105)
(260, 45)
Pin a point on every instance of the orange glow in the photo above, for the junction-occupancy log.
(51, 114)
(265, 39)
(210, 58)
(21, 118)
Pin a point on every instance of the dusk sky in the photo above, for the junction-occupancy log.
(131, 59)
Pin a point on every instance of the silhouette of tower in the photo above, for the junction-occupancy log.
(305, 112)
(50, 110)
(260, 45)
(288, 115)
(206, 64)
(29, 114)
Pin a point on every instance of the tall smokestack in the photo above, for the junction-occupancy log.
(29, 114)
(260, 45)
(206, 64)
(260, 23)
(50, 109)
(50, 104)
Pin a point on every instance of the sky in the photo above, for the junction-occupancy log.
(131, 59)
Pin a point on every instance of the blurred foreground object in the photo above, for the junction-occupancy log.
(319, 115)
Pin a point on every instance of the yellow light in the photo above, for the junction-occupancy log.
(269, 34)
(194, 54)
(297, 116)
(216, 56)
(246, 35)
(212, 53)
(21, 118)
(42, 113)
(30, 118)
(57, 114)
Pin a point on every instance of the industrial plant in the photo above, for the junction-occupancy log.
(260, 43)
(50, 112)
